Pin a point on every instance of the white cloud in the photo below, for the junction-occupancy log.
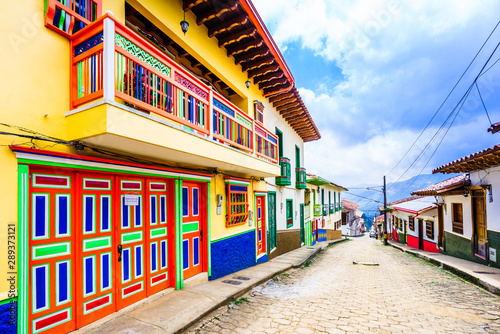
(399, 59)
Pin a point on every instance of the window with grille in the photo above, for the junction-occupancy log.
(69, 16)
(411, 224)
(429, 229)
(237, 202)
(457, 218)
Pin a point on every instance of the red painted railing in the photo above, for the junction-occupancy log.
(266, 144)
(114, 63)
(231, 125)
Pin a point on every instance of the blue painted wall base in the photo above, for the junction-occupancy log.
(8, 313)
(321, 235)
(232, 254)
(262, 259)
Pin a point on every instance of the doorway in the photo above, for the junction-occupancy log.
(479, 223)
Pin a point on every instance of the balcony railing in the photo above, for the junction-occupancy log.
(307, 209)
(325, 209)
(300, 178)
(111, 62)
(266, 144)
(332, 208)
(285, 178)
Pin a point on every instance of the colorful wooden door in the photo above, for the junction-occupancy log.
(51, 296)
(131, 246)
(96, 250)
(271, 211)
(479, 216)
(260, 219)
(192, 229)
(301, 223)
(159, 235)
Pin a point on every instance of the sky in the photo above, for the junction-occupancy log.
(372, 73)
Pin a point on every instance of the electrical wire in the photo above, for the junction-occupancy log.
(484, 106)
(446, 99)
(462, 100)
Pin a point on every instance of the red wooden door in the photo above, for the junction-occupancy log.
(159, 235)
(192, 229)
(131, 285)
(51, 297)
(260, 218)
(96, 249)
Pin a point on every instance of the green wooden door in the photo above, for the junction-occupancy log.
(272, 219)
(301, 223)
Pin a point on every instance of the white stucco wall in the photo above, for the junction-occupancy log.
(467, 214)
(272, 120)
(490, 176)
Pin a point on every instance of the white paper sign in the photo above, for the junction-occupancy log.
(132, 200)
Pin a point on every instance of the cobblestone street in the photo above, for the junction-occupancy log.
(404, 294)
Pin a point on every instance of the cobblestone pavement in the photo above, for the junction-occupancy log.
(404, 294)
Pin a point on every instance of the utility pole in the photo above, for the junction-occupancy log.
(385, 214)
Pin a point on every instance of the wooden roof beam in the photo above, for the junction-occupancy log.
(237, 49)
(263, 70)
(237, 36)
(188, 4)
(268, 77)
(284, 101)
(287, 106)
(216, 12)
(274, 89)
(242, 58)
(273, 83)
(227, 25)
(279, 97)
(257, 63)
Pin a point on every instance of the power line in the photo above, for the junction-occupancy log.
(371, 199)
(481, 97)
(446, 99)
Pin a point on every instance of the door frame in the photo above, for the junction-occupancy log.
(475, 227)
(269, 249)
(420, 234)
(302, 224)
(56, 161)
(257, 193)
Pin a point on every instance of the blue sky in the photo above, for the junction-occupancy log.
(373, 72)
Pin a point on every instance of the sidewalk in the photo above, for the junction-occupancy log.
(487, 277)
(172, 310)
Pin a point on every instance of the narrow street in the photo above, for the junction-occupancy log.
(403, 294)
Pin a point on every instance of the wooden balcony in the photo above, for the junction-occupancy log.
(300, 178)
(285, 177)
(113, 65)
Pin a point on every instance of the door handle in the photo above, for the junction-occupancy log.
(120, 252)
(201, 235)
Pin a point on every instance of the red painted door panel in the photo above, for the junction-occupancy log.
(260, 219)
(51, 261)
(131, 282)
(96, 247)
(192, 224)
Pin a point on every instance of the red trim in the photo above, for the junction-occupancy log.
(96, 303)
(51, 320)
(405, 210)
(133, 288)
(158, 278)
(16, 148)
(261, 28)
(412, 241)
(430, 247)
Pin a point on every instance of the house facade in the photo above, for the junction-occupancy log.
(141, 150)
(323, 207)
(469, 210)
(415, 222)
(351, 219)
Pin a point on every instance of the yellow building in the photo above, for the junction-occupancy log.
(138, 142)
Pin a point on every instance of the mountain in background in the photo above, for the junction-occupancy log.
(370, 200)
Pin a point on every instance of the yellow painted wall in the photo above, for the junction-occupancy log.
(35, 91)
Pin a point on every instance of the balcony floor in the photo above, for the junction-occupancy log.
(119, 128)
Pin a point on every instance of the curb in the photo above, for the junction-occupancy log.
(459, 272)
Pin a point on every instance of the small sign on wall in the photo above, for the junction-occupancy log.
(493, 255)
(131, 200)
